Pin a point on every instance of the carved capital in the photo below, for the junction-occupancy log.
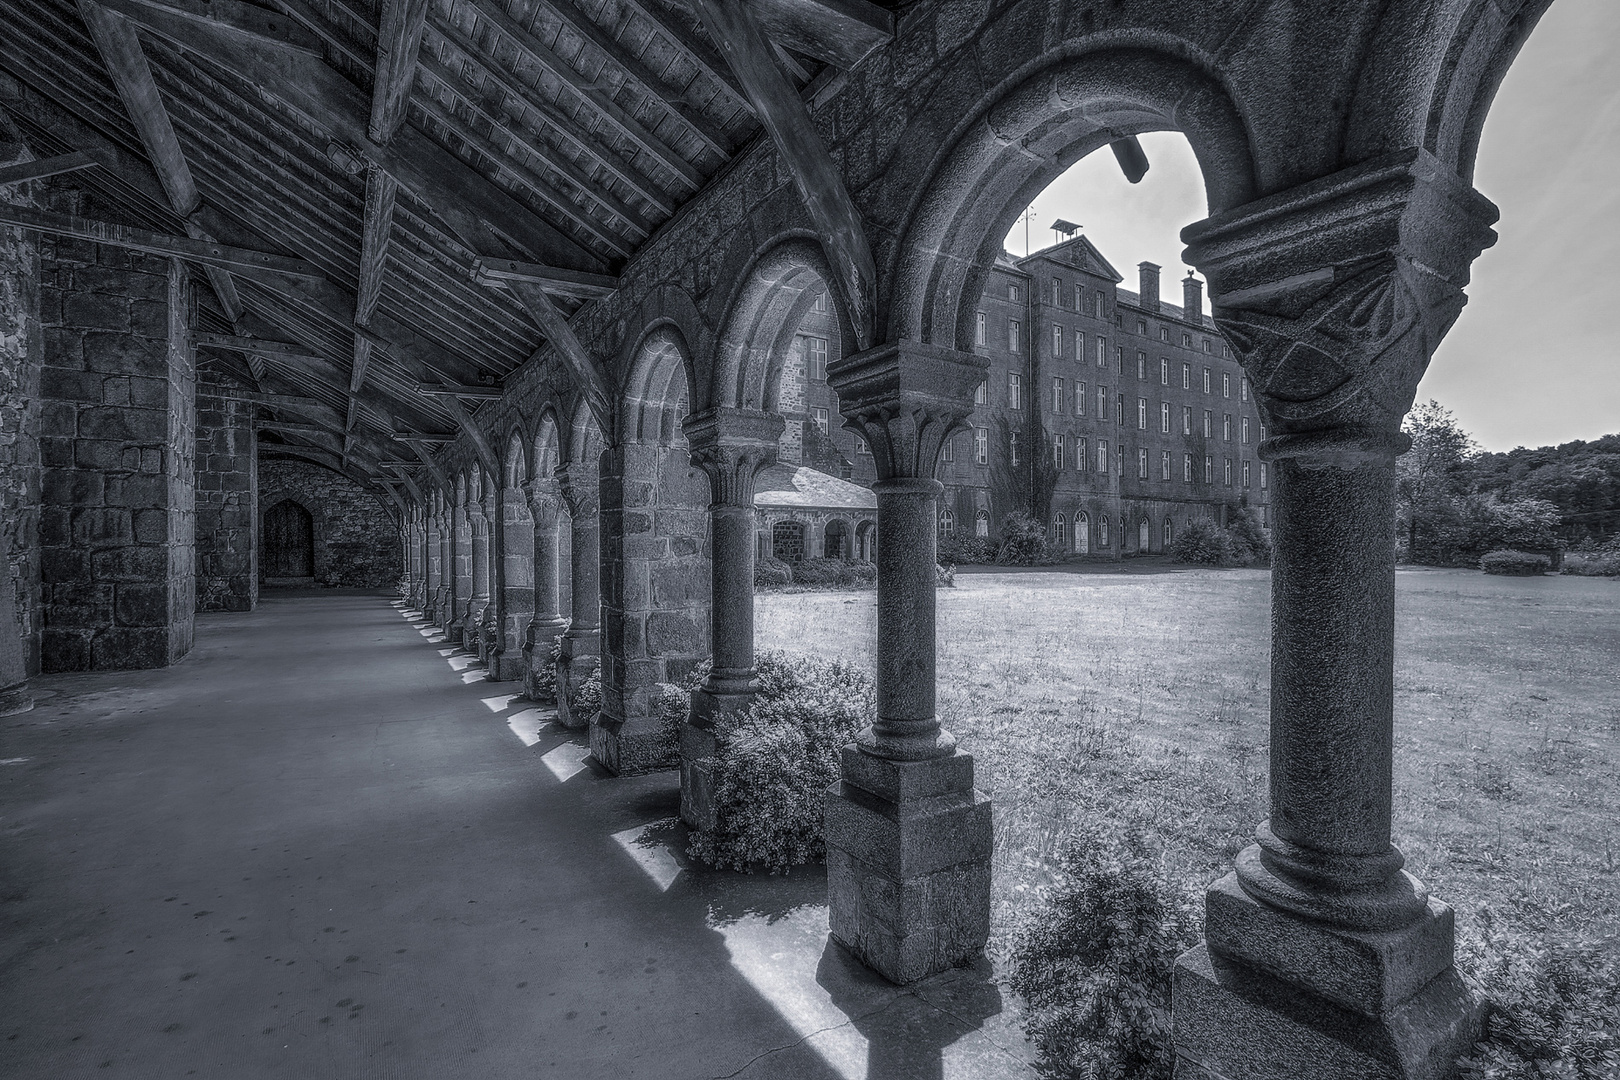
(1335, 294)
(732, 446)
(545, 498)
(905, 399)
(581, 488)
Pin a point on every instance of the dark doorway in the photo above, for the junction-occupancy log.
(835, 540)
(289, 542)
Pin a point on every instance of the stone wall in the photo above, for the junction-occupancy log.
(357, 541)
(20, 350)
(117, 401)
(226, 498)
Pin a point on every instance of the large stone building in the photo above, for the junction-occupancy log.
(1113, 415)
(527, 275)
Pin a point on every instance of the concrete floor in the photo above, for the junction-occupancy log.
(324, 846)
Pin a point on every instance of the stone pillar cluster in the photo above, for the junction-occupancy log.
(1322, 956)
(227, 498)
(580, 649)
(546, 621)
(507, 661)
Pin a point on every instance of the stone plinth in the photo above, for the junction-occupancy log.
(908, 863)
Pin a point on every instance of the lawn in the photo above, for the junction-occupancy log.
(1139, 694)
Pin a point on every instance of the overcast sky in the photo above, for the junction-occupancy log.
(1533, 358)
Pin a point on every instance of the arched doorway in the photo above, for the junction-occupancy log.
(289, 542)
(835, 540)
(1082, 533)
(1144, 534)
(865, 533)
(787, 541)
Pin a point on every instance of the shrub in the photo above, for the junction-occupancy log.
(966, 551)
(1202, 541)
(775, 762)
(944, 576)
(1023, 541)
(1250, 544)
(1515, 563)
(772, 571)
(1555, 1005)
(1594, 562)
(822, 572)
(1094, 960)
(864, 573)
(587, 699)
(675, 704)
(545, 680)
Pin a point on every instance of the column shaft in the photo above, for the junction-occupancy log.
(907, 728)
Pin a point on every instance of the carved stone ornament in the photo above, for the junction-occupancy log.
(581, 489)
(905, 399)
(733, 446)
(1335, 294)
(545, 499)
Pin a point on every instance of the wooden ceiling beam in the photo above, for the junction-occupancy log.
(479, 393)
(588, 376)
(698, 51)
(783, 114)
(475, 435)
(41, 168)
(256, 23)
(399, 41)
(837, 32)
(493, 14)
(557, 282)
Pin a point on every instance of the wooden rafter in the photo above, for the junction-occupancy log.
(399, 39)
(259, 24)
(558, 282)
(587, 374)
(42, 168)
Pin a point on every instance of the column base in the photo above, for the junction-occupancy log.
(908, 863)
(1272, 995)
(698, 750)
(576, 664)
(16, 699)
(629, 747)
(507, 667)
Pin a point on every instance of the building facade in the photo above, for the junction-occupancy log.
(1114, 417)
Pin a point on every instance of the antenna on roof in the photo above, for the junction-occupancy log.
(1066, 228)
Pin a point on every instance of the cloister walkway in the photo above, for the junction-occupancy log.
(324, 846)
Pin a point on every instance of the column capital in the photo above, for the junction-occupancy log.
(733, 446)
(905, 398)
(545, 498)
(581, 488)
(1334, 295)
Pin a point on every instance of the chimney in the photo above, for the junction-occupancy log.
(1192, 298)
(1150, 285)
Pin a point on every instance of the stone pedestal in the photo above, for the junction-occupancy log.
(908, 837)
(1323, 958)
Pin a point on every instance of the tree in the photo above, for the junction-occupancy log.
(1430, 481)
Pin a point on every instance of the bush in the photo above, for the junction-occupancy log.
(1203, 541)
(772, 571)
(1594, 561)
(1023, 541)
(1555, 1006)
(545, 680)
(1250, 544)
(587, 699)
(1515, 563)
(944, 576)
(1094, 960)
(822, 572)
(966, 551)
(775, 762)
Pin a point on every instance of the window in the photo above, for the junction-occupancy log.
(861, 449)
(1164, 417)
(1080, 399)
(981, 524)
(1226, 428)
(981, 330)
(1080, 458)
(1060, 529)
(1226, 471)
(1169, 533)
(1102, 456)
(1119, 359)
(1102, 306)
(1243, 389)
(1262, 433)
(1057, 452)
(1057, 293)
(1186, 468)
(1209, 469)
(1119, 409)
(1262, 476)
(1164, 333)
(815, 357)
(947, 524)
(1206, 344)
(1015, 390)
(1141, 365)
(1245, 429)
(1102, 531)
(1186, 419)
(1012, 293)
(819, 304)
(1102, 402)
(981, 396)
(1142, 464)
(981, 446)
(1226, 384)
(1207, 420)
(1079, 347)
(1206, 380)
(1119, 318)
(1012, 446)
(1102, 352)
(1186, 341)
(1245, 474)
(1164, 464)
(1057, 341)
(1141, 327)
(1164, 371)
(947, 452)
(1081, 301)
(1141, 413)
(1186, 376)
(1226, 352)
(1014, 335)
(1058, 397)
(820, 416)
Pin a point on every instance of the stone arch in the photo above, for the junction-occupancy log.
(837, 539)
(1020, 136)
(299, 522)
(584, 442)
(764, 311)
(547, 445)
(658, 390)
(515, 465)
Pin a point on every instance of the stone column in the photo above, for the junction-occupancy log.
(1322, 956)
(433, 550)
(417, 558)
(478, 591)
(458, 570)
(546, 623)
(490, 620)
(731, 446)
(581, 651)
(227, 496)
(508, 661)
(908, 835)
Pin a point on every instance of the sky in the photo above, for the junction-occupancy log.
(1533, 360)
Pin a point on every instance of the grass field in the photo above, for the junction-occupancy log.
(1139, 695)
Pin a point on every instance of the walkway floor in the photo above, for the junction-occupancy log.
(323, 846)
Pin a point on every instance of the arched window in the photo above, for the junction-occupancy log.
(1082, 533)
(947, 524)
(981, 524)
(1144, 534)
(1102, 531)
(1060, 529)
(787, 540)
(1169, 533)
